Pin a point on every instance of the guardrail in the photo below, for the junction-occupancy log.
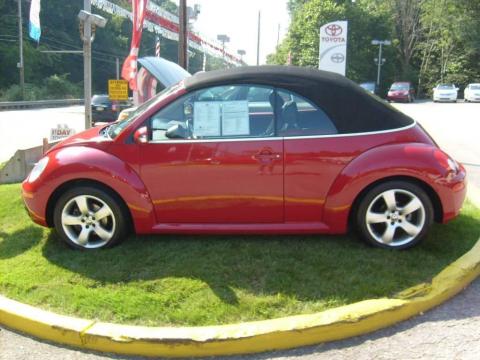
(8, 105)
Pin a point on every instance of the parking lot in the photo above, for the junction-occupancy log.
(455, 127)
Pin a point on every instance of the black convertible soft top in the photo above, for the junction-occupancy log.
(350, 107)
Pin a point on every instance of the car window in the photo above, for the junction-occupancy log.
(399, 86)
(218, 112)
(297, 116)
(446, 86)
(100, 99)
(474, 87)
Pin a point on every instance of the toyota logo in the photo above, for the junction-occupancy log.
(333, 30)
(337, 58)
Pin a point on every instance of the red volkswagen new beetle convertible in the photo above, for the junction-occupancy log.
(271, 150)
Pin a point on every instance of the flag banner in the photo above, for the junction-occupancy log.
(34, 25)
(333, 47)
(166, 26)
(129, 68)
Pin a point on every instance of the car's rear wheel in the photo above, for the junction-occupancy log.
(395, 215)
(89, 218)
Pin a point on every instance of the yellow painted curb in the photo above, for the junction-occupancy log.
(289, 332)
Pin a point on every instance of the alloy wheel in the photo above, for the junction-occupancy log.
(395, 217)
(88, 221)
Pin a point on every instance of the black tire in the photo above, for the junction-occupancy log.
(115, 224)
(374, 203)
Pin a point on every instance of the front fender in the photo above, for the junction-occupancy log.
(420, 161)
(75, 163)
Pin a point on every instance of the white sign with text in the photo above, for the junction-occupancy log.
(333, 47)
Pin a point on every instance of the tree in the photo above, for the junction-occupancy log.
(406, 17)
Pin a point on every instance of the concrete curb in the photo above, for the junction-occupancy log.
(294, 331)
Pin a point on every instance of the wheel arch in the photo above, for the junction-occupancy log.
(432, 195)
(60, 190)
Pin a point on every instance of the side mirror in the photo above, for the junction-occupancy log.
(176, 131)
(141, 135)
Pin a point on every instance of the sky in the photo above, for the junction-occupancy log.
(238, 20)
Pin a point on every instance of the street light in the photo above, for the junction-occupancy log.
(223, 39)
(88, 23)
(380, 61)
(241, 53)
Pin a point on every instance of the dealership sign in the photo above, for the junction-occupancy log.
(333, 47)
(61, 132)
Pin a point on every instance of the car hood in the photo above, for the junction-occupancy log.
(89, 137)
(166, 72)
(445, 91)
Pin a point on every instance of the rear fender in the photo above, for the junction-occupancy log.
(422, 162)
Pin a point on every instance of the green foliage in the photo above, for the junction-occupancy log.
(443, 45)
(53, 87)
(60, 31)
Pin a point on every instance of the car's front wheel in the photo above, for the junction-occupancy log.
(395, 215)
(89, 218)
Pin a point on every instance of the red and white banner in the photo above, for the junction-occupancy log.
(166, 26)
(129, 69)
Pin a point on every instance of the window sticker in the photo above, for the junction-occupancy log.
(235, 118)
(206, 118)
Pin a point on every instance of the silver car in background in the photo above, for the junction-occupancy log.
(472, 93)
(445, 92)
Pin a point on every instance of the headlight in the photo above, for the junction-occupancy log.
(38, 169)
(453, 165)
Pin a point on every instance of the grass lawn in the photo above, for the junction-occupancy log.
(205, 280)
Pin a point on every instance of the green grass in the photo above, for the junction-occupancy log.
(204, 280)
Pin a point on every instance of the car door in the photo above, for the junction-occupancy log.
(226, 168)
(313, 156)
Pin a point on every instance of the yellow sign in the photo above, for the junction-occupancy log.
(118, 90)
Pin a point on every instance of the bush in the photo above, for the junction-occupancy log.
(54, 87)
(14, 93)
(58, 87)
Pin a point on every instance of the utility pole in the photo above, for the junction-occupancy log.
(258, 39)
(278, 35)
(182, 35)
(87, 64)
(20, 44)
(117, 63)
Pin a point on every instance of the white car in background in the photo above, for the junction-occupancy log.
(472, 92)
(445, 92)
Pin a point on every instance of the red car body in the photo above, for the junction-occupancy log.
(278, 185)
(401, 91)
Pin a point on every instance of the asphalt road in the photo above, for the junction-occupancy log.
(23, 129)
(451, 331)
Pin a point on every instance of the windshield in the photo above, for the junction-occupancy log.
(445, 87)
(115, 129)
(368, 86)
(100, 99)
(399, 86)
(475, 87)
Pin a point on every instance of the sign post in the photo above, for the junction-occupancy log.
(333, 47)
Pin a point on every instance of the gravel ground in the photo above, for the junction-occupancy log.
(451, 331)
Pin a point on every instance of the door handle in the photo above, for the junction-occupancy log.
(267, 156)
